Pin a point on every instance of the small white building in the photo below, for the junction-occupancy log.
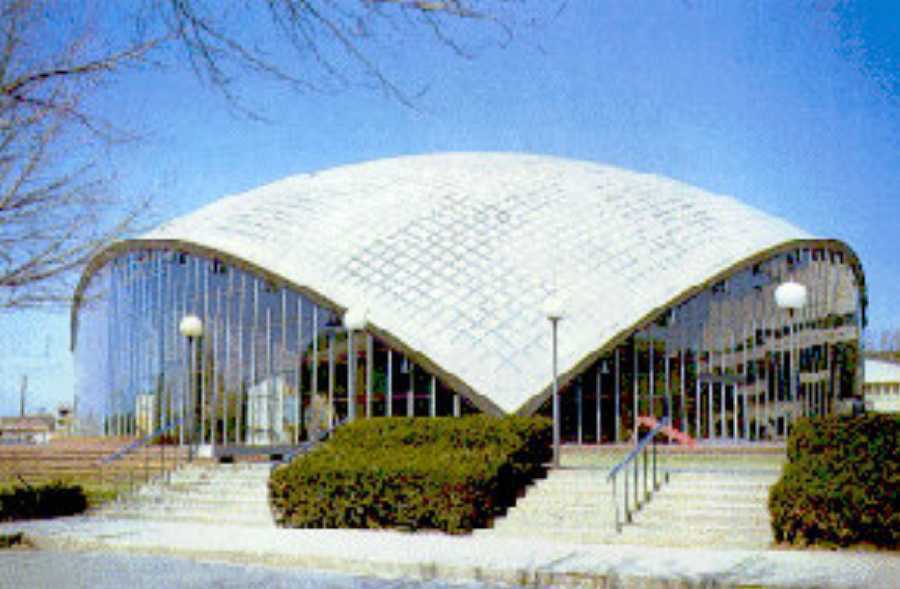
(26, 429)
(265, 412)
(882, 386)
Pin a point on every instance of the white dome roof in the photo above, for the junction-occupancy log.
(454, 255)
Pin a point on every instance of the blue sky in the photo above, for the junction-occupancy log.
(793, 108)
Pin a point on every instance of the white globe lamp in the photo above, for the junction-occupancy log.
(791, 296)
(554, 308)
(355, 318)
(191, 326)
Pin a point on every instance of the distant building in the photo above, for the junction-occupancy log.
(30, 429)
(882, 387)
(452, 259)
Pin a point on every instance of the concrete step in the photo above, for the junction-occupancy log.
(176, 504)
(721, 537)
(192, 502)
(196, 516)
(647, 518)
(221, 481)
(733, 476)
(696, 473)
(737, 495)
(736, 503)
(263, 467)
(708, 500)
(724, 517)
(551, 514)
(585, 481)
(203, 493)
(551, 526)
(535, 506)
(596, 537)
(721, 481)
(572, 486)
(543, 497)
(251, 520)
(206, 475)
(580, 509)
(591, 472)
(225, 482)
(640, 534)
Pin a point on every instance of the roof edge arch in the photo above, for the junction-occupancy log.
(564, 378)
(454, 382)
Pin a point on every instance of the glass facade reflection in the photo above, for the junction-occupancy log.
(265, 350)
(725, 363)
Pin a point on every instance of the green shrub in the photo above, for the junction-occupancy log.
(15, 540)
(41, 501)
(449, 474)
(840, 484)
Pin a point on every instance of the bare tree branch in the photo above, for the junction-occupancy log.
(337, 43)
(55, 207)
(14, 88)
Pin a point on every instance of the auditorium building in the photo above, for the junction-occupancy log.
(419, 285)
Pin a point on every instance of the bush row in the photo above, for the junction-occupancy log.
(41, 501)
(840, 484)
(449, 474)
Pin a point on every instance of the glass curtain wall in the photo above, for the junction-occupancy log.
(728, 364)
(265, 351)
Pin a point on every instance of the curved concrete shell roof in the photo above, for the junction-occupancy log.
(455, 254)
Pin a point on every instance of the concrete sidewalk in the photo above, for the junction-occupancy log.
(483, 558)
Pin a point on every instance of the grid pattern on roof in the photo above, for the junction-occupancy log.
(454, 254)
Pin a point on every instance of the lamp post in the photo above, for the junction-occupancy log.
(191, 327)
(553, 310)
(791, 296)
(331, 328)
(354, 320)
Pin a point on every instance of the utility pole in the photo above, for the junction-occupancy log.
(22, 394)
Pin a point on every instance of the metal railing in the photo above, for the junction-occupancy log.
(308, 445)
(137, 445)
(645, 446)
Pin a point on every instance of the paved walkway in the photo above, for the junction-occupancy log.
(481, 558)
(105, 570)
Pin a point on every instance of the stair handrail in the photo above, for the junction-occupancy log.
(137, 445)
(308, 445)
(633, 458)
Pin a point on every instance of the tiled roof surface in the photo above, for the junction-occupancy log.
(455, 254)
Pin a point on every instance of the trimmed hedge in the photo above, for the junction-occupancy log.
(450, 474)
(840, 484)
(41, 501)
